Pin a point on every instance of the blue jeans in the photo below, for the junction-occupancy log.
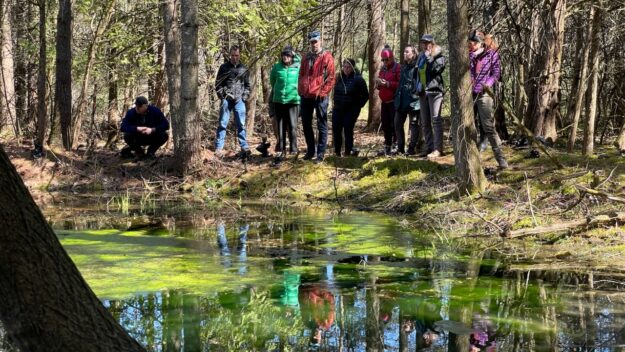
(224, 118)
(320, 106)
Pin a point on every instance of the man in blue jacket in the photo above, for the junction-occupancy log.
(144, 125)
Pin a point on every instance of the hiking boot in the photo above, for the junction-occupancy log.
(277, 160)
(308, 156)
(319, 159)
(500, 157)
(245, 154)
(263, 149)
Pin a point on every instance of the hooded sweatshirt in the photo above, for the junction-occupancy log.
(391, 75)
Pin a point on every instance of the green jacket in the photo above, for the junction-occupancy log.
(283, 81)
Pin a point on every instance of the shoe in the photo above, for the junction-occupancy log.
(434, 154)
(501, 159)
(483, 145)
(245, 154)
(277, 161)
(308, 156)
(411, 151)
(149, 156)
(126, 153)
(220, 154)
(263, 149)
(354, 152)
(319, 159)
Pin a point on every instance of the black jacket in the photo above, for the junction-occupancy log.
(433, 71)
(350, 91)
(233, 82)
(153, 117)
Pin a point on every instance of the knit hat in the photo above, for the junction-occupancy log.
(386, 53)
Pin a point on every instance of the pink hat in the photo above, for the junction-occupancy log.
(386, 53)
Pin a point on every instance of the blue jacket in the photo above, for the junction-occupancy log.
(153, 117)
(350, 92)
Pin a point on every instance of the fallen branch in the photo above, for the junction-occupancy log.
(588, 223)
(595, 192)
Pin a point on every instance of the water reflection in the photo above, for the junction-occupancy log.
(355, 282)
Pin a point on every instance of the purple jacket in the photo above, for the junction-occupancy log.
(485, 69)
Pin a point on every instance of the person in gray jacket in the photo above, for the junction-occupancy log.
(430, 87)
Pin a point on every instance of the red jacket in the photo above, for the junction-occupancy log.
(316, 75)
(387, 94)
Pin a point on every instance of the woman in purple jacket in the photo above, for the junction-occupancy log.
(485, 72)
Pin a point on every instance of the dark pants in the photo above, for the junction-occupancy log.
(286, 120)
(343, 122)
(400, 120)
(136, 141)
(320, 107)
(388, 122)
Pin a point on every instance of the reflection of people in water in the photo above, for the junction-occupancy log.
(224, 249)
(318, 310)
(483, 336)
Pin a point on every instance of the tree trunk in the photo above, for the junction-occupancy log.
(159, 97)
(404, 36)
(250, 104)
(338, 34)
(577, 95)
(8, 113)
(63, 86)
(376, 41)
(46, 304)
(21, 23)
(424, 22)
(189, 156)
(42, 111)
(374, 332)
(467, 159)
(102, 25)
(544, 77)
(169, 10)
(593, 90)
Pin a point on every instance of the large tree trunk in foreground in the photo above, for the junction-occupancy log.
(169, 10)
(467, 158)
(375, 9)
(46, 304)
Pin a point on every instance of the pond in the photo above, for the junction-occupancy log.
(181, 276)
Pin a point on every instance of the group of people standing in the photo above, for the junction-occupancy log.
(301, 86)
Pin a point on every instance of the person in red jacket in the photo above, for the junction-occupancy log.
(316, 80)
(387, 83)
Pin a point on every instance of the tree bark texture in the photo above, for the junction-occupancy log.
(424, 22)
(63, 86)
(169, 10)
(250, 104)
(543, 79)
(581, 67)
(42, 108)
(593, 90)
(376, 42)
(189, 156)
(8, 112)
(404, 36)
(464, 134)
(46, 304)
(338, 34)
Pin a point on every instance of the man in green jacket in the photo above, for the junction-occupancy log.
(283, 79)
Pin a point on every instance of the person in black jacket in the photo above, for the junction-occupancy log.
(143, 125)
(233, 89)
(350, 95)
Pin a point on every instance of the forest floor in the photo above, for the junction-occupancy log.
(568, 216)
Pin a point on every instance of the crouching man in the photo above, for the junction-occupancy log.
(144, 125)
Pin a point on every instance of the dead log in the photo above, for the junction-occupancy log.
(582, 224)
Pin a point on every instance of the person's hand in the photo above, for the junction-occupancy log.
(145, 130)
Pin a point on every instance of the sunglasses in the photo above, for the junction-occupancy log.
(385, 60)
